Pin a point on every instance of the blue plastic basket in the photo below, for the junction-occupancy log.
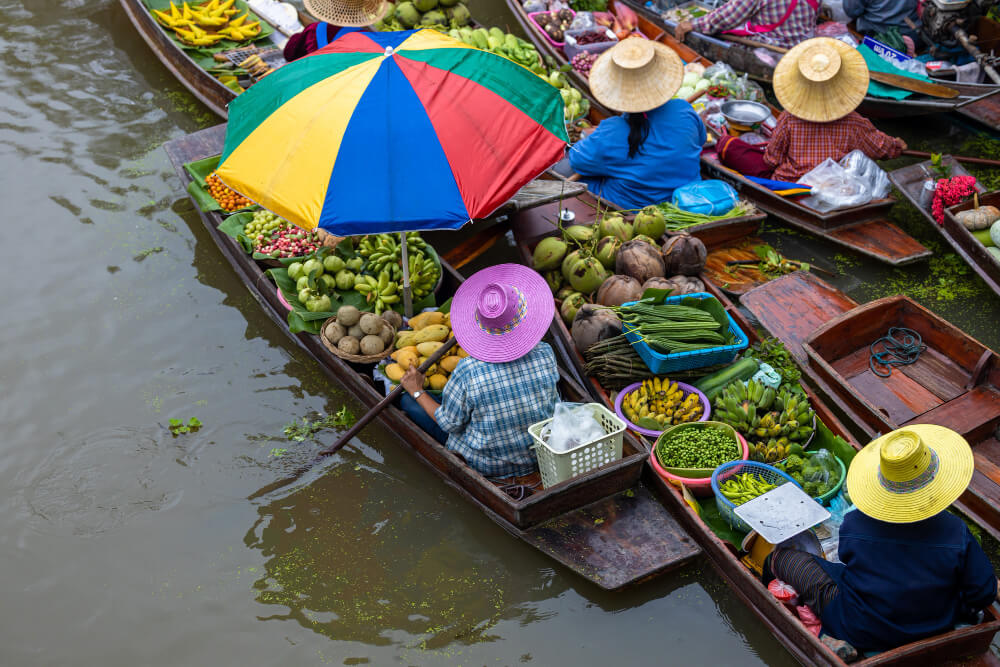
(762, 471)
(682, 361)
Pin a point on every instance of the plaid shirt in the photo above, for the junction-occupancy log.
(797, 145)
(486, 408)
(799, 26)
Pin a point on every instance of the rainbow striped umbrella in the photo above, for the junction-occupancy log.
(396, 131)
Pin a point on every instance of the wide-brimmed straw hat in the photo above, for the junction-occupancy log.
(348, 13)
(910, 474)
(500, 313)
(821, 80)
(636, 75)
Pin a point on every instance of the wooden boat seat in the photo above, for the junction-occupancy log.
(974, 414)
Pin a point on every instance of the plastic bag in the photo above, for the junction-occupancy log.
(865, 168)
(710, 197)
(718, 72)
(783, 593)
(573, 424)
(531, 6)
(582, 21)
(833, 187)
(809, 619)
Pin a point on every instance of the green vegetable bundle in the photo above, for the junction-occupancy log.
(816, 472)
(678, 218)
(696, 447)
(673, 328)
(615, 364)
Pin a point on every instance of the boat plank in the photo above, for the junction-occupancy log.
(987, 457)
(975, 414)
(931, 371)
(898, 396)
(880, 239)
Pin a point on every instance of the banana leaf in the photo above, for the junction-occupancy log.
(199, 170)
(200, 53)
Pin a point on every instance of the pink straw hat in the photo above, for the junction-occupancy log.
(500, 313)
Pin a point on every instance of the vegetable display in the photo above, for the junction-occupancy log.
(770, 421)
(383, 254)
(554, 24)
(208, 23)
(670, 328)
(773, 352)
(428, 332)
(744, 487)
(228, 199)
(978, 217)
(712, 384)
(354, 332)
(615, 364)
(659, 402)
(816, 472)
(696, 448)
(677, 218)
(424, 14)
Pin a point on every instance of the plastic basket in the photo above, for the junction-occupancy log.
(706, 406)
(760, 470)
(559, 466)
(572, 48)
(540, 29)
(700, 487)
(660, 363)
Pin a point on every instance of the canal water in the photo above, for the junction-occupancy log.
(123, 544)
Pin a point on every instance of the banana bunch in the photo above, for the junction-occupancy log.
(384, 252)
(741, 488)
(208, 23)
(771, 421)
(381, 292)
(659, 403)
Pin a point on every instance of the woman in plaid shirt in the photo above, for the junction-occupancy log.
(781, 22)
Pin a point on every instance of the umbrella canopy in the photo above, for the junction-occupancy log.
(382, 132)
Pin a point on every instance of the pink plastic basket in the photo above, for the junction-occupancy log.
(540, 29)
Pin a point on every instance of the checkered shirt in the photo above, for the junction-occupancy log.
(800, 25)
(486, 408)
(797, 145)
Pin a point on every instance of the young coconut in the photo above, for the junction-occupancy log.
(387, 334)
(687, 284)
(579, 233)
(564, 292)
(649, 222)
(549, 253)
(606, 251)
(348, 315)
(371, 345)
(587, 275)
(594, 323)
(684, 254)
(568, 262)
(613, 224)
(554, 279)
(570, 305)
(647, 239)
(619, 289)
(349, 345)
(640, 261)
(659, 283)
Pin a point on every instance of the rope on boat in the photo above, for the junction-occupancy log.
(901, 347)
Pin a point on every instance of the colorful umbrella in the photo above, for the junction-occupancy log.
(397, 131)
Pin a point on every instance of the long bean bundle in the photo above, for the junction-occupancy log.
(615, 364)
(672, 328)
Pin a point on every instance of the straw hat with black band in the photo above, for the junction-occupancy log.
(821, 80)
(636, 75)
(348, 13)
(910, 474)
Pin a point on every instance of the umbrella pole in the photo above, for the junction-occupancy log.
(407, 297)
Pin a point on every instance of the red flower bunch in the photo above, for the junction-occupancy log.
(951, 191)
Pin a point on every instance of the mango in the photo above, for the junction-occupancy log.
(418, 322)
(437, 381)
(448, 363)
(432, 332)
(394, 372)
(427, 349)
(406, 358)
(406, 339)
(395, 355)
(462, 354)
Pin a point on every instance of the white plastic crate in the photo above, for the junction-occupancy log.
(559, 466)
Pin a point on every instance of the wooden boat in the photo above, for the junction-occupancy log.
(971, 645)
(977, 101)
(863, 229)
(954, 383)
(605, 525)
(910, 180)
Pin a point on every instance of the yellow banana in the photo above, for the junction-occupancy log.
(227, 4)
(163, 18)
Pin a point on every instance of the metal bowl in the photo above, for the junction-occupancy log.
(745, 112)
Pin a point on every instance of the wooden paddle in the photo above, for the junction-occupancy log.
(895, 80)
(354, 430)
(960, 158)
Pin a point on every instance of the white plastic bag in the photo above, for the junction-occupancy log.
(582, 21)
(573, 424)
(865, 168)
(854, 181)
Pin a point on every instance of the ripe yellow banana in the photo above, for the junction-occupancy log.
(239, 20)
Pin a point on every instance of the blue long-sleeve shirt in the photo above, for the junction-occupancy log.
(900, 582)
(668, 159)
(874, 16)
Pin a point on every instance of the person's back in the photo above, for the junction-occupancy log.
(875, 16)
(901, 582)
(667, 159)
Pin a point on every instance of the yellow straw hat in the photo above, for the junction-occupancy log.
(821, 80)
(636, 75)
(348, 13)
(910, 474)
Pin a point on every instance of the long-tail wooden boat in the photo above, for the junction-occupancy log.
(863, 229)
(967, 646)
(978, 101)
(606, 525)
(910, 181)
(955, 382)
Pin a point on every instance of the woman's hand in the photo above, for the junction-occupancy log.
(682, 29)
(413, 380)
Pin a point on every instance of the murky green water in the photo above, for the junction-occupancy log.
(123, 545)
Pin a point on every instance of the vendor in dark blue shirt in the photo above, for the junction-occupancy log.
(910, 569)
(642, 156)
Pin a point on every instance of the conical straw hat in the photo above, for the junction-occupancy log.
(348, 13)
(821, 80)
(636, 75)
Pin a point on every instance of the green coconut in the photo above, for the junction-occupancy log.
(459, 15)
(407, 14)
(614, 224)
(580, 233)
(549, 253)
(569, 260)
(564, 292)
(606, 250)
(424, 6)
(587, 275)
(434, 17)
(554, 279)
(646, 239)
(448, 3)
(570, 305)
(649, 222)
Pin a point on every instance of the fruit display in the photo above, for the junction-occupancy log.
(658, 403)
(383, 254)
(209, 23)
(770, 421)
(275, 236)
(228, 199)
(440, 14)
(816, 472)
(744, 487)
(352, 332)
(428, 332)
(704, 448)
(555, 23)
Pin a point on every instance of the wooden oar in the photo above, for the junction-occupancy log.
(895, 80)
(960, 158)
(354, 430)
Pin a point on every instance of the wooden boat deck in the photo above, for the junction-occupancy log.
(637, 539)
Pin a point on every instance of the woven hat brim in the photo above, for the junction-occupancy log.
(956, 466)
(514, 344)
(823, 101)
(354, 15)
(642, 89)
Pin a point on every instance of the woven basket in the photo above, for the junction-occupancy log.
(354, 358)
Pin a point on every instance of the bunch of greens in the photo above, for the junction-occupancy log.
(773, 264)
(773, 352)
(306, 429)
(678, 218)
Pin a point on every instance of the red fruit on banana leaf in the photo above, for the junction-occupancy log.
(625, 15)
(603, 18)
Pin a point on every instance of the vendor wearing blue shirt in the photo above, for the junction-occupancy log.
(909, 569)
(641, 157)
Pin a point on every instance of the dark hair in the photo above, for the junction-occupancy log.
(638, 132)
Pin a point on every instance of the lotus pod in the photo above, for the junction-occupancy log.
(570, 305)
(554, 279)
(592, 324)
(587, 275)
(613, 224)
(569, 260)
(684, 254)
(580, 233)
(639, 260)
(606, 250)
(619, 289)
(649, 222)
(549, 253)
(647, 239)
